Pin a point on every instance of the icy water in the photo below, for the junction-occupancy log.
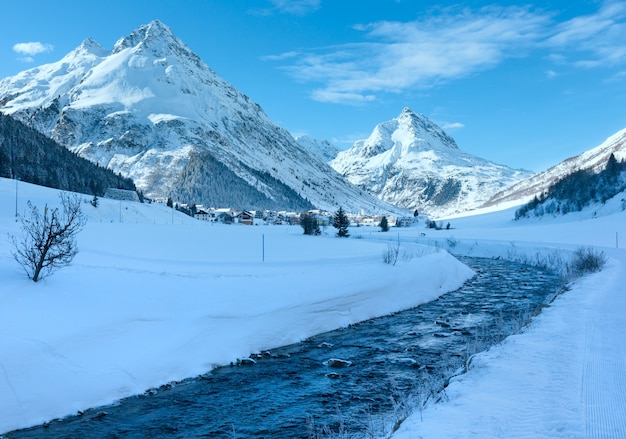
(348, 381)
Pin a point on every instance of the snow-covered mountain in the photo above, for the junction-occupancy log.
(594, 159)
(152, 110)
(321, 148)
(412, 163)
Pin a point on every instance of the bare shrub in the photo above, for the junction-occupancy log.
(390, 256)
(452, 242)
(48, 240)
(586, 260)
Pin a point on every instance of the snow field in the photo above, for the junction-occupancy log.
(155, 296)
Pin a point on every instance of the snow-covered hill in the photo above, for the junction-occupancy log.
(594, 159)
(322, 148)
(152, 110)
(411, 162)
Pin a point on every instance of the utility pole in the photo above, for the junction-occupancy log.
(16, 215)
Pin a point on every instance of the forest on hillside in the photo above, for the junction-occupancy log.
(28, 155)
(578, 190)
(206, 180)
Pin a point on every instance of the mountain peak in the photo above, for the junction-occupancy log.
(419, 125)
(406, 111)
(89, 45)
(148, 34)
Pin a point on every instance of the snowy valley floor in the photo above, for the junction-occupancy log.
(565, 375)
(154, 297)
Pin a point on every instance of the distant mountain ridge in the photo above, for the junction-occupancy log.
(411, 162)
(594, 160)
(151, 110)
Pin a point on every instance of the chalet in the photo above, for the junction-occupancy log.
(405, 221)
(246, 218)
(121, 194)
(225, 217)
(204, 215)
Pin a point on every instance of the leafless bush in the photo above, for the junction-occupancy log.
(452, 242)
(586, 260)
(390, 256)
(48, 240)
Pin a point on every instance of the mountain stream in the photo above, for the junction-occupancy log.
(349, 382)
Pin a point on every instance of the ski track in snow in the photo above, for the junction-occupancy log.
(604, 373)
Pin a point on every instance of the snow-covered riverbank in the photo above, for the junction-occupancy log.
(563, 377)
(147, 302)
(154, 297)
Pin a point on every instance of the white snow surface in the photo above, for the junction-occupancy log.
(154, 297)
(411, 162)
(564, 376)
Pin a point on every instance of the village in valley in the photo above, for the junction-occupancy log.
(261, 217)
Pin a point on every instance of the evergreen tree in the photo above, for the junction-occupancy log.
(341, 223)
(310, 225)
(384, 225)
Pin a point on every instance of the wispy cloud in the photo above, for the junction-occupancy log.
(294, 7)
(397, 56)
(31, 49)
(281, 56)
(452, 43)
(550, 74)
(297, 7)
(453, 125)
(600, 38)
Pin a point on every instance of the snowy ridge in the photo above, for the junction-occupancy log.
(411, 162)
(145, 107)
(321, 148)
(594, 159)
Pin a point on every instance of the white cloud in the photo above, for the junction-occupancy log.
(551, 74)
(452, 43)
(294, 7)
(402, 55)
(280, 57)
(453, 125)
(32, 48)
(600, 38)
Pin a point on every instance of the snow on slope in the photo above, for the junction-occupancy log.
(86, 335)
(594, 159)
(150, 107)
(154, 296)
(411, 162)
(322, 148)
(563, 376)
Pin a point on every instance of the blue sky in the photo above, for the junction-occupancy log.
(522, 84)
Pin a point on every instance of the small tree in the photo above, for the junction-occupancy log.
(384, 225)
(48, 241)
(311, 225)
(341, 223)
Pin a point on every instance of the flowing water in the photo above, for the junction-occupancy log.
(349, 381)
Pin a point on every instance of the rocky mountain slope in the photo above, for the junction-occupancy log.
(321, 148)
(31, 157)
(412, 163)
(594, 160)
(153, 111)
